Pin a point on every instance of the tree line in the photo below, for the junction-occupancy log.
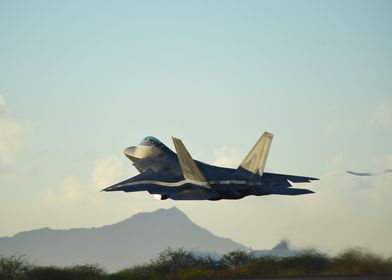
(175, 264)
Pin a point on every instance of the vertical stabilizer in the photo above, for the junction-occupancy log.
(189, 169)
(255, 161)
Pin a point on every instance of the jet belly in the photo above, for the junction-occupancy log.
(195, 193)
(235, 189)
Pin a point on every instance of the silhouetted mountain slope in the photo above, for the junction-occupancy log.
(132, 241)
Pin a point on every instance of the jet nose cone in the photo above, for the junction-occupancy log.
(129, 151)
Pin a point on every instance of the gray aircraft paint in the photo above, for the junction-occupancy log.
(166, 174)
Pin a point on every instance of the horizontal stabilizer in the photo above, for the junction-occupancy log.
(292, 178)
(290, 191)
(189, 169)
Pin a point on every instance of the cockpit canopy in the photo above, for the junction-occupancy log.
(149, 141)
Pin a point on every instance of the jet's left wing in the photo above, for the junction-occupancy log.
(140, 182)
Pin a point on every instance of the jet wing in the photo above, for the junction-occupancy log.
(140, 182)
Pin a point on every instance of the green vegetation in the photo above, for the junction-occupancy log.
(181, 264)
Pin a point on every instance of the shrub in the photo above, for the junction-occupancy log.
(357, 261)
(180, 265)
(171, 260)
(13, 267)
(139, 272)
(235, 259)
(78, 272)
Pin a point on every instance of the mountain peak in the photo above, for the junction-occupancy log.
(133, 241)
(162, 214)
(173, 211)
(282, 245)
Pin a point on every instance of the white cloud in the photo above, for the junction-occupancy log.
(225, 156)
(106, 171)
(383, 115)
(11, 131)
(72, 190)
(79, 202)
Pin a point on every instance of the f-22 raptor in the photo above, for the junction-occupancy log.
(177, 176)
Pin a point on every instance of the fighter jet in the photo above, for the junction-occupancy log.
(169, 175)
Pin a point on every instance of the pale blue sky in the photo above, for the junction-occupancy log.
(82, 80)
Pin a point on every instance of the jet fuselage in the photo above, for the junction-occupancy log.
(162, 174)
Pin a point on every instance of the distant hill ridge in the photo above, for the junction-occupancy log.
(133, 241)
